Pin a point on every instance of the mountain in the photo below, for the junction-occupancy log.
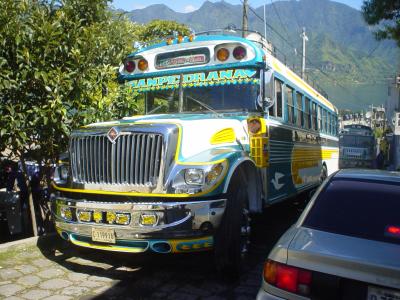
(343, 56)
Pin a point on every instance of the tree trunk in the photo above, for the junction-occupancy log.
(30, 197)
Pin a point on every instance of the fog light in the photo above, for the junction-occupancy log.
(148, 219)
(66, 213)
(98, 216)
(122, 219)
(111, 217)
(84, 216)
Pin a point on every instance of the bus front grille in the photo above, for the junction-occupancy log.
(134, 159)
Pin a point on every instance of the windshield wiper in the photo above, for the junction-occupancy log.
(206, 106)
(154, 109)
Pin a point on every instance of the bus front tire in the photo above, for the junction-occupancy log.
(232, 236)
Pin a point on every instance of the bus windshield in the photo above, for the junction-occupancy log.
(357, 141)
(219, 93)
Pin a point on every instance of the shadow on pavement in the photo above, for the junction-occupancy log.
(165, 276)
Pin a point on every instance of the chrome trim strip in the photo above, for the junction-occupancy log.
(194, 213)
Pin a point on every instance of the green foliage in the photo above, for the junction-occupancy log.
(378, 132)
(58, 68)
(158, 29)
(57, 71)
(377, 11)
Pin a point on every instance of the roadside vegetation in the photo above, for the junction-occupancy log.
(58, 71)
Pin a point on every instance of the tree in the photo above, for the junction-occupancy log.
(385, 13)
(58, 69)
(57, 72)
(159, 29)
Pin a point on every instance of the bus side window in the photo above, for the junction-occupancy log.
(326, 121)
(323, 119)
(307, 115)
(319, 118)
(336, 125)
(299, 108)
(278, 99)
(289, 104)
(315, 117)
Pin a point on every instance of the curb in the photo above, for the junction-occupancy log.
(32, 241)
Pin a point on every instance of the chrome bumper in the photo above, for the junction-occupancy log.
(176, 221)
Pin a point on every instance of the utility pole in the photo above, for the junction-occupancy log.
(245, 18)
(265, 23)
(303, 62)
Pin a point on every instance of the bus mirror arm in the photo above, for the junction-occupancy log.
(267, 103)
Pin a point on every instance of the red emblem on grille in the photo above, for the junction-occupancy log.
(113, 134)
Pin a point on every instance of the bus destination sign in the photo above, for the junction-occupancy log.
(181, 61)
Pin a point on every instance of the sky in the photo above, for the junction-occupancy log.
(191, 5)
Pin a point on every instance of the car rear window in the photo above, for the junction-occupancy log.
(362, 209)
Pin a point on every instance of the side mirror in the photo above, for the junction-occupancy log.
(268, 100)
(268, 103)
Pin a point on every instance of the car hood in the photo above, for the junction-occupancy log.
(345, 256)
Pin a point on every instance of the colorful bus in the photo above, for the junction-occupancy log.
(356, 147)
(227, 130)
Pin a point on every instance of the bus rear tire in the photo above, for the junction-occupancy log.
(232, 236)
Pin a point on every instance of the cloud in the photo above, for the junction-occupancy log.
(189, 8)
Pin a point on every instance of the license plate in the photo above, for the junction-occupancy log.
(375, 293)
(104, 235)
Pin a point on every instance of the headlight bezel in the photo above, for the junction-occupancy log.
(61, 173)
(212, 175)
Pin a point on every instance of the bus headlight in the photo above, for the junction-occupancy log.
(198, 179)
(61, 173)
(194, 176)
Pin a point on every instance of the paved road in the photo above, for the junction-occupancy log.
(54, 270)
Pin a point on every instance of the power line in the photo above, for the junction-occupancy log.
(308, 60)
(373, 50)
(296, 18)
(269, 26)
(280, 20)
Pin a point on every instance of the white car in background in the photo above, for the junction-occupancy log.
(345, 245)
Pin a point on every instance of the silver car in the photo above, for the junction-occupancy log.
(345, 245)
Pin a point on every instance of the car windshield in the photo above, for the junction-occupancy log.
(212, 92)
(362, 209)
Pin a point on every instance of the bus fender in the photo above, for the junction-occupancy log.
(251, 178)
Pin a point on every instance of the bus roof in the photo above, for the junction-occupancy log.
(258, 47)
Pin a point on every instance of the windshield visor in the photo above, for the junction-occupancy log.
(223, 90)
